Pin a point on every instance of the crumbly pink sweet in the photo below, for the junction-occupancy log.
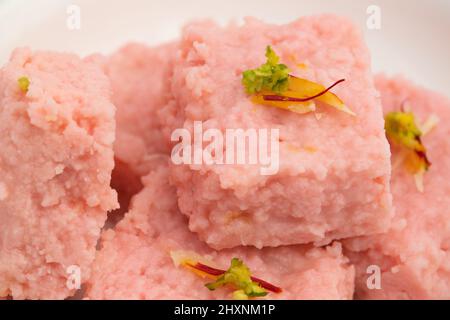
(135, 258)
(140, 80)
(414, 256)
(333, 179)
(56, 160)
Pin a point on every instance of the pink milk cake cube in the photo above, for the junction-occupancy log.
(413, 257)
(333, 176)
(56, 137)
(140, 82)
(140, 258)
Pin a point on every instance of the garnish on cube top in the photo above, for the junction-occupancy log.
(271, 84)
(238, 276)
(402, 130)
(271, 76)
(23, 83)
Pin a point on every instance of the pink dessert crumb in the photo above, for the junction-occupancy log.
(56, 158)
(140, 80)
(334, 172)
(414, 256)
(135, 260)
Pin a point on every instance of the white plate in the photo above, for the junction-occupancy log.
(413, 39)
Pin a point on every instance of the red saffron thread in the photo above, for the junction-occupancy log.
(292, 99)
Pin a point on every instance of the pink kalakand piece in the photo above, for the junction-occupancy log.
(140, 80)
(333, 178)
(135, 260)
(414, 256)
(56, 160)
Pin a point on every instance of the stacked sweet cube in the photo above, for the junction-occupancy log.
(308, 230)
(56, 134)
(414, 255)
(333, 176)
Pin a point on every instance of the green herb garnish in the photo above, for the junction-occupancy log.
(24, 83)
(271, 76)
(239, 276)
(401, 128)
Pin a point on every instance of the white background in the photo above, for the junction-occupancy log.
(414, 38)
